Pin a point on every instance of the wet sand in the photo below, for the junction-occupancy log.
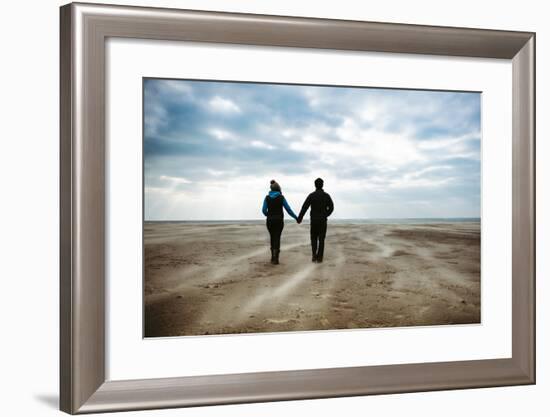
(217, 279)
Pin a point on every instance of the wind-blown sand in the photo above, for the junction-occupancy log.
(217, 279)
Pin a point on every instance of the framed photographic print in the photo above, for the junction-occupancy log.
(260, 208)
(402, 225)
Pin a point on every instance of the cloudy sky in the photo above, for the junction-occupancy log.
(211, 148)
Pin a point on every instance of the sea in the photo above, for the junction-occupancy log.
(416, 220)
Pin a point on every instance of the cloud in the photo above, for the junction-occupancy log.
(221, 134)
(212, 147)
(262, 145)
(223, 105)
(176, 180)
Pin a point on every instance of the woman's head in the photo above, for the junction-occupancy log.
(274, 186)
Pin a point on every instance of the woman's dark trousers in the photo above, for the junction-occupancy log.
(275, 227)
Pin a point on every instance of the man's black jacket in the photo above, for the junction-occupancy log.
(321, 205)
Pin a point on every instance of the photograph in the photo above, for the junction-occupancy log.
(283, 207)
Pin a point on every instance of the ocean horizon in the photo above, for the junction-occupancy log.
(413, 220)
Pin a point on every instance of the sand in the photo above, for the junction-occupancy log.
(217, 278)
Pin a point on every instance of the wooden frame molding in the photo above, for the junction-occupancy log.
(84, 30)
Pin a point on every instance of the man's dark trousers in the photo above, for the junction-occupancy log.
(318, 231)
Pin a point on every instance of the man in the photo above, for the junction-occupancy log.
(321, 207)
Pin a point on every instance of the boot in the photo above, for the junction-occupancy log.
(276, 256)
(273, 256)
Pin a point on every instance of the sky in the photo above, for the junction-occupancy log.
(211, 149)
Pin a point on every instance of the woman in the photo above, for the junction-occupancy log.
(273, 210)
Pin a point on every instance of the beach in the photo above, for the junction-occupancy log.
(216, 278)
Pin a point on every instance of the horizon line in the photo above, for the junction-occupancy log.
(339, 218)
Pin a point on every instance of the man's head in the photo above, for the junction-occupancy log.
(318, 183)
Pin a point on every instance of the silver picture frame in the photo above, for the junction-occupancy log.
(84, 29)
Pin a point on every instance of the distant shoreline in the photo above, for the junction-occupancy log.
(435, 220)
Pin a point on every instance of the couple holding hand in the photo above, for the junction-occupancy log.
(321, 207)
